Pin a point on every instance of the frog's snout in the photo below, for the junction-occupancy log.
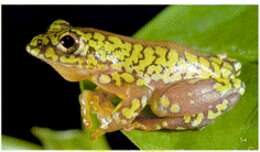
(28, 48)
(35, 51)
(35, 46)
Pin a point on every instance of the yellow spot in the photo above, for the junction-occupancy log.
(154, 69)
(175, 108)
(35, 51)
(181, 66)
(192, 101)
(99, 36)
(127, 77)
(237, 66)
(128, 113)
(102, 67)
(158, 127)
(54, 39)
(140, 82)
(117, 66)
(148, 59)
(187, 118)
(212, 115)
(50, 53)
(154, 107)
(104, 79)
(177, 76)
(216, 60)
(114, 39)
(164, 101)
(91, 60)
(93, 44)
(136, 52)
(227, 66)
(236, 82)
(180, 128)
(161, 52)
(87, 36)
(238, 73)
(222, 88)
(226, 69)
(71, 60)
(225, 72)
(222, 56)
(190, 57)
(57, 25)
(172, 58)
(197, 120)
(166, 75)
(190, 94)
(144, 101)
(193, 81)
(205, 74)
(156, 77)
(204, 62)
(222, 106)
(116, 77)
(216, 69)
(242, 91)
(164, 123)
(34, 41)
(135, 104)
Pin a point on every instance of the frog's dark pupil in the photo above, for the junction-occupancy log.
(67, 41)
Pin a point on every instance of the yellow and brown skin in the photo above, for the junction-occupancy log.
(184, 89)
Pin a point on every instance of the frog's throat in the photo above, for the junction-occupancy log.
(71, 73)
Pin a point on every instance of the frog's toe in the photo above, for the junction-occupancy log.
(97, 133)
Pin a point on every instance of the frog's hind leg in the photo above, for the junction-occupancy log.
(171, 123)
(195, 96)
(192, 103)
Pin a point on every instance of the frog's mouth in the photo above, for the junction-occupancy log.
(68, 71)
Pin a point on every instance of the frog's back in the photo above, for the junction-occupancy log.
(171, 64)
(154, 61)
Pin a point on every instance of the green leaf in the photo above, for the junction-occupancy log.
(211, 29)
(11, 143)
(68, 140)
(216, 29)
(72, 139)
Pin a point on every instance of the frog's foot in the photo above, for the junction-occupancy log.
(174, 123)
(98, 102)
(97, 133)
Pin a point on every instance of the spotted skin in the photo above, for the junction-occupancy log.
(183, 88)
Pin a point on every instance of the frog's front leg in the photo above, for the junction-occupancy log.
(134, 99)
(190, 104)
(97, 101)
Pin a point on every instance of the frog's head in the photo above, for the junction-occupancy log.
(65, 49)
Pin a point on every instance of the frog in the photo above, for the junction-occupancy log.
(183, 89)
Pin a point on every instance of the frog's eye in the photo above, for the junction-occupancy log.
(68, 43)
